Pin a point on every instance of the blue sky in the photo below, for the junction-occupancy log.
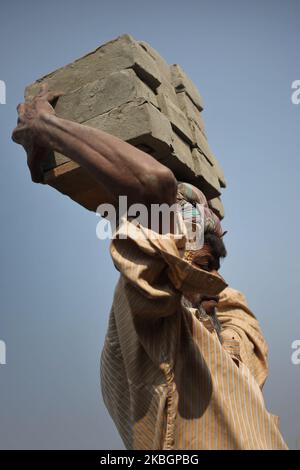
(57, 279)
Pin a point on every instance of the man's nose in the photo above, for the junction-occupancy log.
(216, 273)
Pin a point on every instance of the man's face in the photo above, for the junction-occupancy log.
(209, 261)
(206, 259)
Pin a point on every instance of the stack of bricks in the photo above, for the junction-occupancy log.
(127, 89)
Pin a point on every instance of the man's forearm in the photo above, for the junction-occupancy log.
(118, 166)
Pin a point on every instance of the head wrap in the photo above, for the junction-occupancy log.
(196, 214)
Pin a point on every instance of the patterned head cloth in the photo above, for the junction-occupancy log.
(196, 214)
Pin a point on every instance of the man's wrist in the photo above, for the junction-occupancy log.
(42, 128)
(43, 119)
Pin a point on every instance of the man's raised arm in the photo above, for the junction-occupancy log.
(119, 167)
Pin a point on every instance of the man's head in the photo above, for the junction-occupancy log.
(207, 258)
(209, 255)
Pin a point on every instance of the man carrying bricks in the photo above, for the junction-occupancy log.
(173, 376)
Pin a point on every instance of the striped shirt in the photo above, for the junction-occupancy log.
(166, 380)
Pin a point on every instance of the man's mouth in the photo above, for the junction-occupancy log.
(212, 298)
(209, 303)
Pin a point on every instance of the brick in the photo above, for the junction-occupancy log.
(201, 143)
(205, 170)
(218, 169)
(136, 122)
(167, 89)
(180, 160)
(121, 53)
(103, 95)
(191, 166)
(162, 65)
(190, 110)
(182, 82)
(198, 138)
(217, 206)
(176, 117)
(181, 150)
(126, 89)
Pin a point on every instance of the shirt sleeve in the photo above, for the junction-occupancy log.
(242, 335)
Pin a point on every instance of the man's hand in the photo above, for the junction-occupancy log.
(28, 132)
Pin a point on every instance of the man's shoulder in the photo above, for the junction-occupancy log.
(232, 299)
(229, 294)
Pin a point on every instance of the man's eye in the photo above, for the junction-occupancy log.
(208, 264)
(210, 267)
(203, 264)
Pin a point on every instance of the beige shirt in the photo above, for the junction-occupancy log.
(166, 380)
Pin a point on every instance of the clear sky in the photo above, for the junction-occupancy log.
(57, 279)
